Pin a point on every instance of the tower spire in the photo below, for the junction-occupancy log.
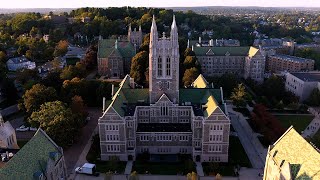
(153, 32)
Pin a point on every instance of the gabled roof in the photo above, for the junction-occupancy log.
(221, 51)
(107, 46)
(303, 158)
(253, 51)
(32, 159)
(200, 82)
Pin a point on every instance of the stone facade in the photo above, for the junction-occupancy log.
(247, 62)
(279, 63)
(165, 119)
(135, 37)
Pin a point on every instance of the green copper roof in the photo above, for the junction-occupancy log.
(107, 47)
(32, 159)
(221, 51)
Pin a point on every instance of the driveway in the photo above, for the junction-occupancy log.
(72, 154)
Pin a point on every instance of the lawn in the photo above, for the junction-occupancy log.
(299, 122)
(237, 156)
(184, 165)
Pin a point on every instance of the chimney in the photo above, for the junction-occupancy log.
(104, 104)
(188, 45)
(200, 40)
(192, 48)
(112, 90)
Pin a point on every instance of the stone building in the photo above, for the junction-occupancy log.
(292, 157)
(114, 55)
(165, 119)
(247, 62)
(8, 139)
(40, 158)
(280, 62)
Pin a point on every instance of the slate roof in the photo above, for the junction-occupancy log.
(302, 157)
(32, 159)
(223, 51)
(107, 47)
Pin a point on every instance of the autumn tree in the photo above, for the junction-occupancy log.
(61, 48)
(78, 107)
(90, 59)
(139, 64)
(192, 176)
(36, 96)
(191, 61)
(3, 57)
(57, 120)
(238, 95)
(70, 72)
(190, 76)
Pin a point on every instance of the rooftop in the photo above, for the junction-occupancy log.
(107, 47)
(302, 157)
(18, 60)
(223, 51)
(308, 76)
(291, 58)
(32, 159)
(164, 127)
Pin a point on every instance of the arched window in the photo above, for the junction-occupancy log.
(168, 67)
(159, 66)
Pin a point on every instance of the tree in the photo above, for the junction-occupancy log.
(57, 121)
(78, 107)
(61, 48)
(238, 95)
(192, 176)
(145, 43)
(139, 65)
(314, 98)
(190, 61)
(90, 59)
(36, 96)
(3, 57)
(227, 81)
(190, 76)
(70, 72)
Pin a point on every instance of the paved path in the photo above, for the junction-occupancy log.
(255, 152)
(77, 152)
(199, 169)
(128, 167)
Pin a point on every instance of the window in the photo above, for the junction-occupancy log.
(113, 148)
(164, 138)
(144, 138)
(168, 67)
(112, 127)
(183, 137)
(215, 148)
(159, 66)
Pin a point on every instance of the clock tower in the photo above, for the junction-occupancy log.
(164, 64)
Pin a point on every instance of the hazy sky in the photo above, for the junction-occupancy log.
(154, 3)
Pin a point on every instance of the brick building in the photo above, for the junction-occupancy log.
(280, 62)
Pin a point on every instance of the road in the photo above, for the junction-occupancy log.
(72, 154)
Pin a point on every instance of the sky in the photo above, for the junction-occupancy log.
(154, 3)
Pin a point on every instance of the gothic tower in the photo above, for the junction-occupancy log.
(164, 64)
(135, 37)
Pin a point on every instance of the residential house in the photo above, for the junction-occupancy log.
(22, 62)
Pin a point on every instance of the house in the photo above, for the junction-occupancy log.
(292, 157)
(40, 158)
(75, 54)
(165, 119)
(302, 84)
(22, 62)
(8, 138)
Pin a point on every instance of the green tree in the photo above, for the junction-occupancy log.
(191, 61)
(139, 66)
(238, 95)
(314, 98)
(61, 48)
(70, 72)
(36, 96)
(190, 76)
(57, 121)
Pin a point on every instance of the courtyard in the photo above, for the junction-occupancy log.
(299, 122)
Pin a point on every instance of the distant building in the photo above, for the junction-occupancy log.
(214, 43)
(40, 158)
(135, 37)
(74, 55)
(247, 62)
(114, 55)
(8, 138)
(57, 19)
(22, 62)
(280, 62)
(227, 42)
(85, 19)
(302, 83)
(292, 157)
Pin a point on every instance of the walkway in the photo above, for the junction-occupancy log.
(199, 169)
(255, 151)
(128, 167)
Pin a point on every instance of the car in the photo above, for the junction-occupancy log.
(22, 128)
(33, 129)
(87, 168)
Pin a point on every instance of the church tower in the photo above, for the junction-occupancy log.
(135, 37)
(164, 64)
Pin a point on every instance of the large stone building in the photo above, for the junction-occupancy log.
(302, 84)
(114, 55)
(292, 157)
(247, 62)
(280, 62)
(165, 119)
(40, 158)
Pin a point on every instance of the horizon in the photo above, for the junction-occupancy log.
(73, 4)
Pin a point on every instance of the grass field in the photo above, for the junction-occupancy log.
(299, 122)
